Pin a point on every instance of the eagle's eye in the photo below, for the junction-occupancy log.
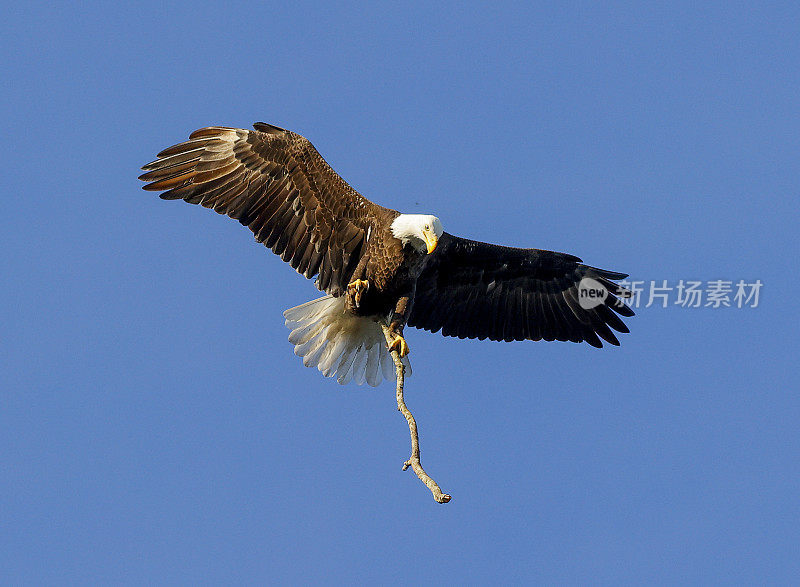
(427, 227)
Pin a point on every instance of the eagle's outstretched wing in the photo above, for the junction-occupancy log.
(471, 289)
(276, 183)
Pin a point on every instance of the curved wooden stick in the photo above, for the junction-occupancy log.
(414, 462)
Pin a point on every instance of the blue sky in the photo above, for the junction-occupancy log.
(155, 424)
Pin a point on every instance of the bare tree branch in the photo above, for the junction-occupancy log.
(414, 462)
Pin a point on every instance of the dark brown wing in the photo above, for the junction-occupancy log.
(471, 289)
(276, 183)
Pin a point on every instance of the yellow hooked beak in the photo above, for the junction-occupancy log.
(431, 240)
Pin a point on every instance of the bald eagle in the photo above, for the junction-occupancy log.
(376, 264)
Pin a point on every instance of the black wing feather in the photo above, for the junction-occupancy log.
(479, 290)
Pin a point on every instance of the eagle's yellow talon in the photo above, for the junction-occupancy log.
(400, 345)
(358, 287)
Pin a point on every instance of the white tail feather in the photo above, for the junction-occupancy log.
(340, 344)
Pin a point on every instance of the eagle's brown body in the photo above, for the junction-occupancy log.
(392, 270)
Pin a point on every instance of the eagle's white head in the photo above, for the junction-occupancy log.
(421, 231)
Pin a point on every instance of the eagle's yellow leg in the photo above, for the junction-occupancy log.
(357, 289)
(400, 345)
